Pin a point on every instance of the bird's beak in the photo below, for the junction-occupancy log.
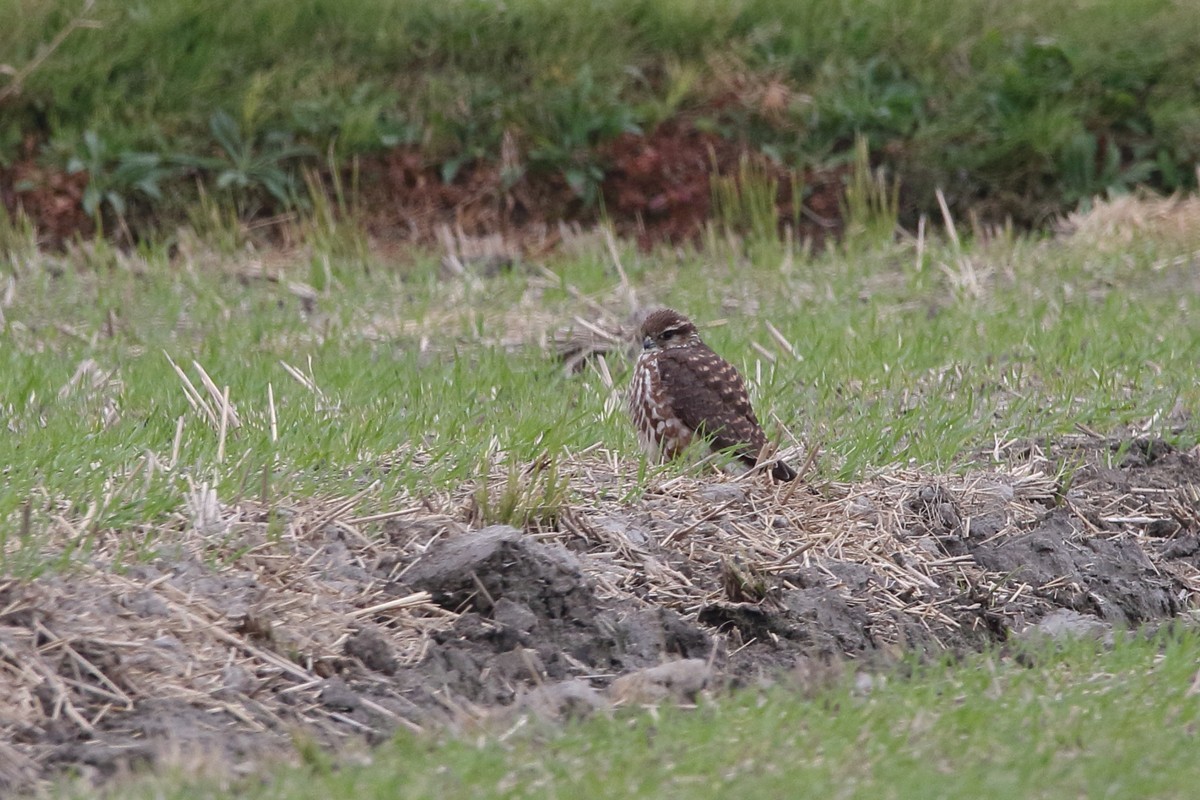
(647, 343)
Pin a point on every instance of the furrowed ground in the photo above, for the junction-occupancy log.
(257, 504)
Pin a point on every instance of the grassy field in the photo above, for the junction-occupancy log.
(353, 376)
(1080, 721)
(911, 352)
(1018, 108)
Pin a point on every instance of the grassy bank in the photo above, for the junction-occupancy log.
(1018, 108)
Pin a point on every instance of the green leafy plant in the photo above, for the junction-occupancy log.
(251, 168)
(464, 122)
(575, 117)
(365, 119)
(115, 179)
(874, 97)
(1089, 170)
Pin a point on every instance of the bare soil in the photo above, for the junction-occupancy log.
(339, 629)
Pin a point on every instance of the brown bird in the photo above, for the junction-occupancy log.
(681, 389)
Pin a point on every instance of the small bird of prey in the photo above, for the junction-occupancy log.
(682, 390)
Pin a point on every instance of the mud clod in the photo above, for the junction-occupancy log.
(501, 563)
(1111, 578)
(373, 651)
(1063, 623)
(573, 699)
(337, 696)
(681, 681)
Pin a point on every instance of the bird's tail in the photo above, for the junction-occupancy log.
(782, 472)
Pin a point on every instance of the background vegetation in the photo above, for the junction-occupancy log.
(1020, 107)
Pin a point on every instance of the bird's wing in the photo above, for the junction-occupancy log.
(708, 395)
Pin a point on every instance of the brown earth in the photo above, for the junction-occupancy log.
(51, 198)
(343, 629)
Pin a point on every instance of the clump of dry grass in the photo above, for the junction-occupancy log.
(1113, 223)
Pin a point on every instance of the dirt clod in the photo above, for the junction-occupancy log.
(1063, 623)
(500, 563)
(681, 681)
(1111, 578)
(573, 699)
(373, 651)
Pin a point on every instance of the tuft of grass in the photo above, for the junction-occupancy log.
(18, 237)
(871, 207)
(744, 203)
(330, 226)
(531, 498)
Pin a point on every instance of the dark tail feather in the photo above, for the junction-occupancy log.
(782, 472)
(779, 470)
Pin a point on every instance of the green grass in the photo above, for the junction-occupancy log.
(895, 362)
(1082, 721)
(1026, 106)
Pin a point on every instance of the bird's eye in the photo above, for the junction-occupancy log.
(668, 334)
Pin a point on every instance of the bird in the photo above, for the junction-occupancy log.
(681, 390)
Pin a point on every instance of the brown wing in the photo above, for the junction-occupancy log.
(709, 396)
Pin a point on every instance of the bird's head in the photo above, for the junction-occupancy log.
(666, 328)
